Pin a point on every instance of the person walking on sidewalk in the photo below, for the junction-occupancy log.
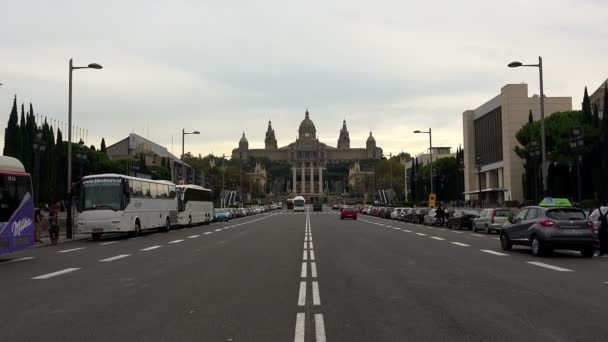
(37, 224)
(54, 225)
(601, 214)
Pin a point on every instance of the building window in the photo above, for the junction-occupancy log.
(488, 137)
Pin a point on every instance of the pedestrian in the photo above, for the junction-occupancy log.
(37, 224)
(54, 225)
(440, 215)
(601, 215)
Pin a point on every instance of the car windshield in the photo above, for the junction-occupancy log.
(101, 194)
(221, 211)
(470, 212)
(566, 214)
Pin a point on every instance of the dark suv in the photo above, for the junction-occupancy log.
(317, 206)
(548, 228)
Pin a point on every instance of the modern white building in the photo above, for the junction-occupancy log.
(493, 172)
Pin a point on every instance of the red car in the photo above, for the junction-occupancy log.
(348, 212)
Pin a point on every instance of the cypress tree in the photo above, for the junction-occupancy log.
(596, 116)
(102, 147)
(586, 106)
(11, 133)
(530, 117)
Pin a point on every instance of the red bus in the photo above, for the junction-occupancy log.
(289, 204)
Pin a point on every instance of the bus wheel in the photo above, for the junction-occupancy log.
(190, 221)
(96, 236)
(137, 229)
(167, 225)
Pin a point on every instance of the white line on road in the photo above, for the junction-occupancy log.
(115, 258)
(319, 328)
(493, 252)
(305, 245)
(303, 273)
(300, 321)
(305, 256)
(193, 236)
(496, 238)
(551, 267)
(219, 229)
(107, 243)
(207, 233)
(71, 250)
(437, 238)
(421, 234)
(313, 269)
(176, 241)
(312, 255)
(316, 299)
(150, 248)
(476, 235)
(302, 294)
(407, 230)
(54, 274)
(456, 231)
(460, 244)
(17, 260)
(310, 244)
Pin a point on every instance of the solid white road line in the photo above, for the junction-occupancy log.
(193, 236)
(421, 234)
(312, 255)
(302, 294)
(300, 321)
(313, 269)
(58, 273)
(304, 269)
(319, 328)
(305, 256)
(437, 238)
(460, 244)
(493, 252)
(115, 258)
(207, 233)
(17, 260)
(551, 267)
(150, 248)
(316, 299)
(107, 243)
(176, 241)
(71, 250)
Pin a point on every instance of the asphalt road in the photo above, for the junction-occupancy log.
(283, 276)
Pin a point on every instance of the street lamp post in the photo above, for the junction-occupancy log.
(577, 143)
(69, 171)
(543, 149)
(184, 133)
(429, 132)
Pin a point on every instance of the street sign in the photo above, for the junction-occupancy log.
(432, 200)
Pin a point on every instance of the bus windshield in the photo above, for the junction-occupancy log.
(101, 193)
(298, 202)
(12, 190)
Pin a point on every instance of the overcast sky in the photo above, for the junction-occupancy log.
(223, 67)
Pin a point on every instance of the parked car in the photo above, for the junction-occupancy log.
(348, 212)
(409, 214)
(462, 219)
(387, 212)
(335, 207)
(418, 216)
(395, 213)
(547, 228)
(431, 217)
(280, 205)
(402, 214)
(317, 206)
(222, 214)
(490, 220)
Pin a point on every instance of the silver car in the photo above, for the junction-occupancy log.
(490, 220)
(545, 229)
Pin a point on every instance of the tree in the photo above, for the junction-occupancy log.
(11, 133)
(596, 116)
(102, 147)
(530, 117)
(586, 107)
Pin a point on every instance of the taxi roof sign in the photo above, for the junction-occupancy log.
(555, 202)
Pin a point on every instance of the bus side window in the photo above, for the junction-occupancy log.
(137, 189)
(153, 190)
(145, 187)
(166, 191)
(171, 191)
(131, 187)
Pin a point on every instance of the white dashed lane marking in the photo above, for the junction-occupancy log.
(176, 241)
(476, 235)
(302, 294)
(193, 236)
(108, 243)
(319, 328)
(421, 234)
(17, 260)
(115, 258)
(305, 256)
(313, 270)
(407, 230)
(437, 238)
(551, 267)
(207, 233)
(150, 248)
(304, 268)
(312, 255)
(55, 274)
(219, 229)
(71, 250)
(460, 244)
(316, 298)
(493, 252)
(300, 321)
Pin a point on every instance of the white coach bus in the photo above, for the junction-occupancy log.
(194, 205)
(299, 203)
(112, 203)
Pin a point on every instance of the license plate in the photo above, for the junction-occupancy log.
(97, 230)
(573, 231)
